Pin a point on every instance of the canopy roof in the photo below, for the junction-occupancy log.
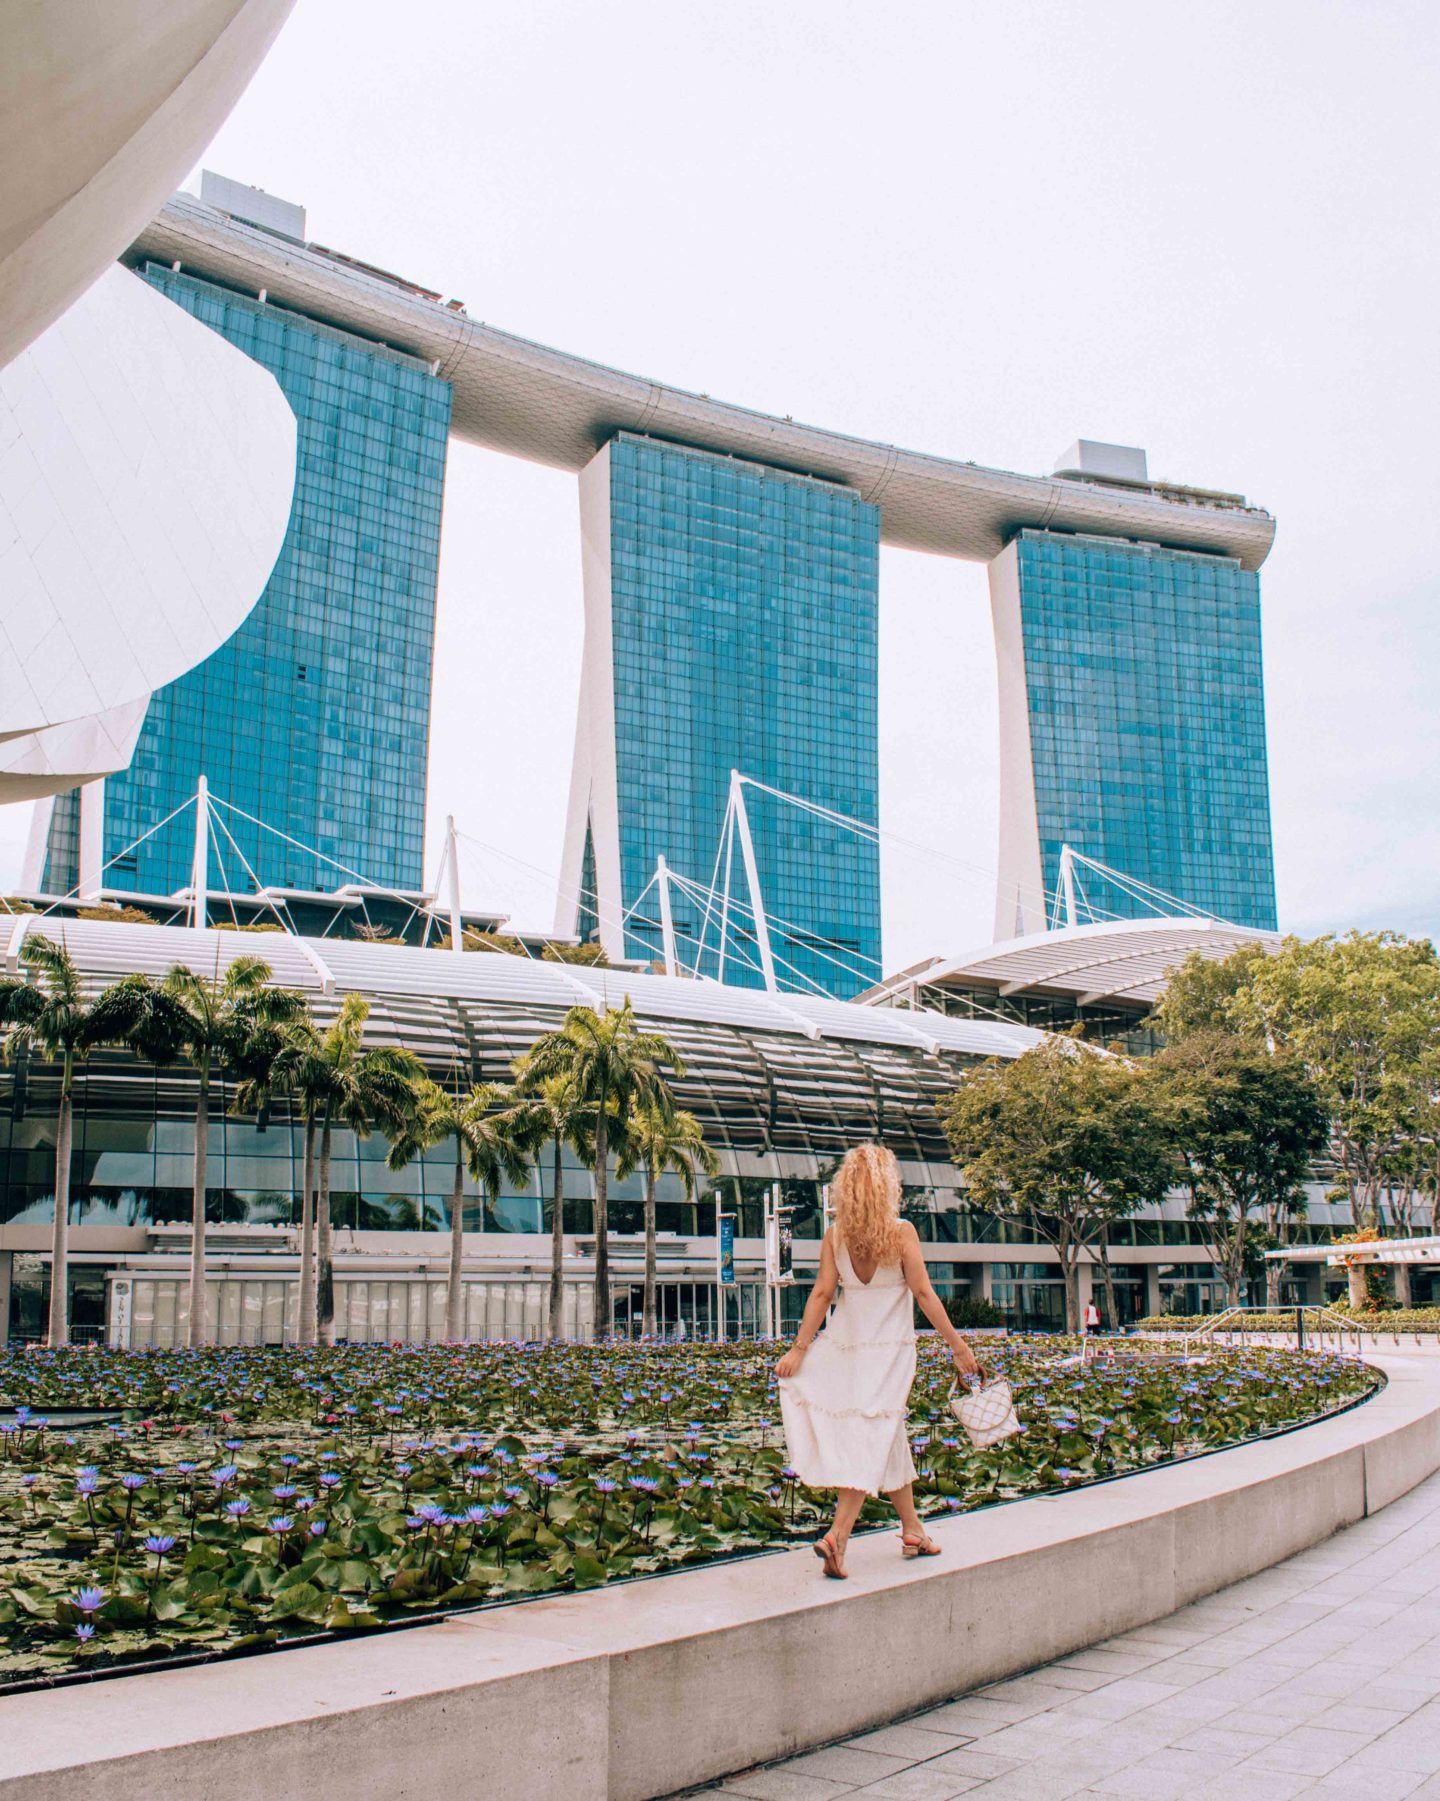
(1118, 960)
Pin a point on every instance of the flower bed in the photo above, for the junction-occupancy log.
(249, 1495)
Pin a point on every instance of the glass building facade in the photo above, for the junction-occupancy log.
(744, 627)
(315, 716)
(1146, 712)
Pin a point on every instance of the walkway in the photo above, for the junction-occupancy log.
(1320, 1678)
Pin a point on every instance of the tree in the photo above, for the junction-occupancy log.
(269, 1068)
(1362, 1013)
(51, 1017)
(299, 1069)
(1248, 1125)
(1063, 1141)
(613, 1067)
(588, 956)
(362, 1090)
(485, 1140)
(337, 1082)
(552, 1114)
(656, 1141)
(218, 1022)
(1200, 996)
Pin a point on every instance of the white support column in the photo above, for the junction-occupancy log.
(752, 882)
(1021, 905)
(200, 868)
(1067, 882)
(727, 834)
(92, 839)
(667, 918)
(452, 872)
(32, 870)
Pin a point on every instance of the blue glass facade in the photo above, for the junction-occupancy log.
(744, 619)
(1147, 721)
(315, 716)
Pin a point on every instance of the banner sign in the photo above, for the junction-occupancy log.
(727, 1252)
(785, 1250)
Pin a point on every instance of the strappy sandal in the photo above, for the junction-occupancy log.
(924, 1546)
(825, 1550)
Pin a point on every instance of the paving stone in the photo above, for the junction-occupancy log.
(973, 1760)
(1183, 1711)
(782, 1785)
(1296, 1702)
(1245, 1784)
(1309, 1751)
(920, 1784)
(913, 1740)
(1262, 1726)
(1040, 1736)
(1109, 1663)
(1226, 1740)
(1058, 1676)
(975, 1715)
(1347, 1717)
(1346, 1783)
(844, 1763)
(1034, 1782)
(1034, 1692)
(1118, 1699)
(1238, 1685)
(1145, 1783)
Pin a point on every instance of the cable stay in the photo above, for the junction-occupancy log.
(1070, 900)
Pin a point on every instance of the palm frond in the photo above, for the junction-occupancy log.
(55, 964)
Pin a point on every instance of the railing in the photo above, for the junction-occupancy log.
(1128, 1350)
(1313, 1326)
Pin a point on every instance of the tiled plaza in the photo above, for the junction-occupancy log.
(1320, 1678)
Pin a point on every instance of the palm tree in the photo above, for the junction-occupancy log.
(300, 1070)
(271, 1065)
(486, 1140)
(52, 1017)
(343, 1084)
(552, 1114)
(613, 1067)
(655, 1142)
(223, 1024)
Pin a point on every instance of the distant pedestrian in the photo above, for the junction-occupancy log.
(1092, 1318)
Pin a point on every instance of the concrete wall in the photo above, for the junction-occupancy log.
(628, 1693)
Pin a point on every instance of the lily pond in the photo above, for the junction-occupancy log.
(170, 1502)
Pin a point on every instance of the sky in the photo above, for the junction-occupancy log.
(976, 229)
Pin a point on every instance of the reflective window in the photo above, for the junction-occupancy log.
(1147, 722)
(743, 606)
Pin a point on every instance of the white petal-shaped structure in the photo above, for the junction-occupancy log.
(103, 110)
(36, 764)
(146, 473)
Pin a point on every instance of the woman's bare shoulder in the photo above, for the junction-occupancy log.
(908, 1235)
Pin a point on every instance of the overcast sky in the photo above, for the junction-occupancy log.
(977, 229)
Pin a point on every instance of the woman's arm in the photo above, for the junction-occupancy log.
(917, 1277)
(821, 1295)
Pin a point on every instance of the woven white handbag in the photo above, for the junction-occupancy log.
(987, 1413)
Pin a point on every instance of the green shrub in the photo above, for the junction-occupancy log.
(964, 1311)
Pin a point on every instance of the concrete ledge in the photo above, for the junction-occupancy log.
(629, 1693)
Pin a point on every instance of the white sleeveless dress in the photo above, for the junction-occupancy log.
(845, 1412)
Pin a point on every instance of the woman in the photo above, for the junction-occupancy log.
(844, 1394)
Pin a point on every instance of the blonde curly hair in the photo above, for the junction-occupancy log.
(866, 1198)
